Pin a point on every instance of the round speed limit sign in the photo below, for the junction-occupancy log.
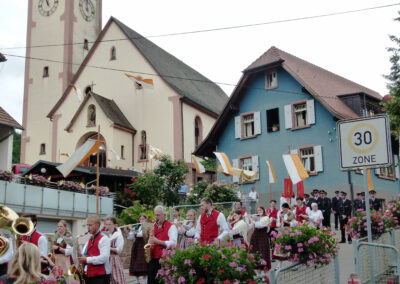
(364, 142)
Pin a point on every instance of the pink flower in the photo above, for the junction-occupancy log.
(299, 233)
(232, 264)
(192, 271)
(263, 262)
(299, 245)
(187, 261)
(289, 247)
(235, 255)
(181, 279)
(300, 250)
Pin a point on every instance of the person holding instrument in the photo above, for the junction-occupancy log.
(138, 265)
(116, 247)
(61, 250)
(6, 239)
(187, 229)
(259, 242)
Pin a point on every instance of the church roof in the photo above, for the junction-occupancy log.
(110, 109)
(190, 84)
(181, 77)
(7, 120)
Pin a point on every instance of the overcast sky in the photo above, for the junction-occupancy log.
(351, 45)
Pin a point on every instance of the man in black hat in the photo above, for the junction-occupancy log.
(362, 201)
(317, 198)
(326, 207)
(335, 208)
(374, 202)
(345, 214)
(356, 201)
(307, 200)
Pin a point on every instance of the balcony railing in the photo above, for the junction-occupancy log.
(26, 198)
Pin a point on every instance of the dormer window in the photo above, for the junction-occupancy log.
(272, 80)
(113, 53)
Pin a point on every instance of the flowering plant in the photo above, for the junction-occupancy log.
(103, 190)
(218, 192)
(358, 224)
(6, 175)
(35, 179)
(306, 244)
(71, 186)
(394, 209)
(208, 264)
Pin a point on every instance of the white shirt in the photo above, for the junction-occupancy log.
(172, 237)
(42, 244)
(190, 229)
(68, 249)
(139, 234)
(119, 243)
(314, 216)
(253, 195)
(262, 223)
(290, 201)
(245, 217)
(102, 258)
(222, 227)
(9, 253)
(285, 217)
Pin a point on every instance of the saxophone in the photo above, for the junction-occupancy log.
(77, 269)
(51, 254)
(148, 247)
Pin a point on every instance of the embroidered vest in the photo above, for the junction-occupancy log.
(93, 250)
(209, 227)
(162, 235)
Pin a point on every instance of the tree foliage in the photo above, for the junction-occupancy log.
(392, 107)
(16, 148)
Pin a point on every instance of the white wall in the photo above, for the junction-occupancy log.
(6, 147)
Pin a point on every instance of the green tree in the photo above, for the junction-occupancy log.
(392, 107)
(145, 188)
(209, 163)
(16, 148)
(173, 173)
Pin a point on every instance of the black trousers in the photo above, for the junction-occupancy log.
(3, 269)
(152, 268)
(343, 223)
(327, 220)
(102, 279)
(337, 217)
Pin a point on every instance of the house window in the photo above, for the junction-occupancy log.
(122, 151)
(247, 163)
(198, 131)
(307, 157)
(272, 80)
(273, 120)
(387, 173)
(248, 125)
(143, 147)
(46, 71)
(42, 149)
(113, 53)
(300, 115)
(86, 44)
(91, 118)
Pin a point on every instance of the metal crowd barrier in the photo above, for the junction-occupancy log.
(297, 273)
(386, 257)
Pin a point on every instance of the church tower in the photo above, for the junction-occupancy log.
(59, 36)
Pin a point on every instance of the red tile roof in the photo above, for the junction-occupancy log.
(324, 85)
(6, 119)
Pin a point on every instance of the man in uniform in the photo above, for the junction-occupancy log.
(362, 201)
(317, 198)
(374, 202)
(345, 214)
(356, 201)
(326, 209)
(307, 200)
(335, 208)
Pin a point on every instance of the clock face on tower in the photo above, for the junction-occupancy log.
(47, 7)
(88, 9)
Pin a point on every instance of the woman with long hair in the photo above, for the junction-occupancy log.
(259, 240)
(239, 230)
(25, 266)
(187, 229)
(61, 249)
(138, 266)
(116, 247)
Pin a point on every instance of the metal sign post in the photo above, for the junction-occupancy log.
(363, 144)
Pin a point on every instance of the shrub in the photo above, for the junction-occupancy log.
(71, 186)
(103, 190)
(6, 176)
(37, 180)
(146, 188)
(358, 224)
(197, 192)
(306, 244)
(222, 192)
(131, 215)
(208, 264)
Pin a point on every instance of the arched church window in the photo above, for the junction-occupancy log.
(143, 146)
(91, 119)
(113, 53)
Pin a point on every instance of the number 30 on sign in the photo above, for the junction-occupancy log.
(364, 143)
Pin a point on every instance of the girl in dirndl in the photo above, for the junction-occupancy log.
(117, 244)
(61, 250)
(239, 230)
(187, 229)
(138, 266)
(259, 240)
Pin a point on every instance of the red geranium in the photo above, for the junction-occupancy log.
(201, 281)
(227, 282)
(206, 256)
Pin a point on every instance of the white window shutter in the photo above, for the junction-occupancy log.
(319, 166)
(238, 127)
(310, 112)
(255, 166)
(288, 116)
(396, 169)
(257, 123)
(235, 164)
(378, 171)
(293, 151)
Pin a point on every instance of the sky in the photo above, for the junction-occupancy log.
(351, 45)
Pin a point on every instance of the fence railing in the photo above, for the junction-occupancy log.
(297, 273)
(385, 258)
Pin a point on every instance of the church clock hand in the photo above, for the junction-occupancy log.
(47, 2)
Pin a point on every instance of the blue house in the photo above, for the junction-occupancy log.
(285, 104)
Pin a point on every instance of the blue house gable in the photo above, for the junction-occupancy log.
(286, 105)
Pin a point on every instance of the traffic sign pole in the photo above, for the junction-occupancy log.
(369, 229)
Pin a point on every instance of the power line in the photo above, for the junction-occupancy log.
(158, 75)
(217, 29)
